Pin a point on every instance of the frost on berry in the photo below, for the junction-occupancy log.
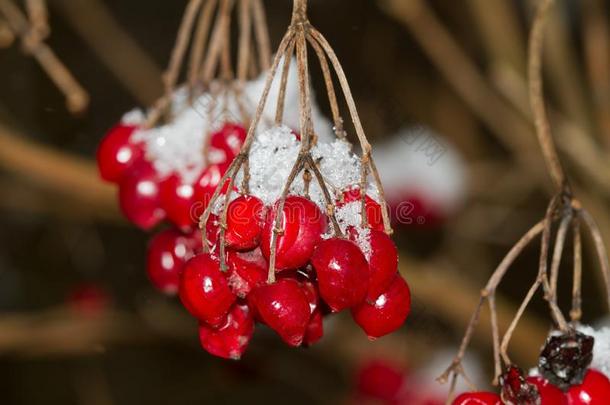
(565, 358)
(601, 349)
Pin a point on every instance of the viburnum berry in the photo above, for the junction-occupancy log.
(342, 272)
(116, 153)
(516, 390)
(565, 358)
(478, 398)
(89, 299)
(139, 196)
(381, 380)
(315, 328)
(387, 313)
(302, 225)
(382, 259)
(167, 253)
(374, 215)
(204, 188)
(227, 141)
(283, 306)
(549, 394)
(178, 201)
(231, 339)
(247, 271)
(204, 290)
(245, 222)
(594, 390)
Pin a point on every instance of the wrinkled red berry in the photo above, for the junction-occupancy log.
(227, 141)
(549, 394)
(594, 390)
(178, 201)
(116, 154)
(302, 224)
(284, 308)
(516, 390)
(478, 398)
(139, 196)
(245, 221)
(374, 216)
(342, 273)
(565, 358)
(204, 290)
(231, 339)
(167, 253)
(387, 313)
(247, 271)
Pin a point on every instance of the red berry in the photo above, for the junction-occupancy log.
(315, 328)
(204, 188)
(478, 398)
(594, 390)
(284, 308)
(380, 380)
(383, 261)
(230, 340)
(245, 221)
(248, 270)
(302, 223)
(342, 273)
(116, 153)
(178, 201)
(227, 141)
(204, 290)
(139, 196)
(89, 299)
(387, 313)
(168, 251)
(549, 394)
(374, 216)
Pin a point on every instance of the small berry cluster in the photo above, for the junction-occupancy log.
(315, 277)
(565, 378)
(148, 197)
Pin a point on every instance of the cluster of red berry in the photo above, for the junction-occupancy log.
(147, 198)
(565, 378)
(316, 275)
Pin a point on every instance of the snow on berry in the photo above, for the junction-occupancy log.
(601, 348)
(424, 177)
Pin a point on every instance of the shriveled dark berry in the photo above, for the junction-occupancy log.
(565, 358)
(516, 390)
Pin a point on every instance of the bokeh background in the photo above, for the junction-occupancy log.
(79, 321)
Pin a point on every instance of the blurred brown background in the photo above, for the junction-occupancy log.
(457, 67)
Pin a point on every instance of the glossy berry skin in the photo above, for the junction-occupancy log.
(374, 216)
(116, 154)
(245, 222)
(226, 143)
(303, 224)
(178, 202)
(284, 308)
(247, 270)
(231, 339)
(167, 253)
(139, 196)
(594, 390)
(478, 398)
(549, 394)
(315, 329)
(204, 188)
(383, 262)
(204, 290)
(387, 313)
(342, 272)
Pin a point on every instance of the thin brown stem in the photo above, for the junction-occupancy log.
(39, 19)
(262, 35)
(543, 128)
(281, 99)
(245, 34)
(576, 311)
(199, 42)
(600, 248)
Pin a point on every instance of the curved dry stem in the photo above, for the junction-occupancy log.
(199, 43)
(557, 254)
(281, 98)
(543, 128)
(262, 35)
(600, 248)
(245, 35)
